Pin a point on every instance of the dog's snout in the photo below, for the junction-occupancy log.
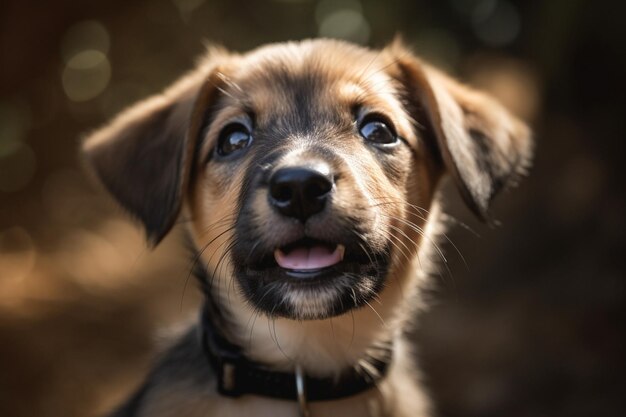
(302, 191)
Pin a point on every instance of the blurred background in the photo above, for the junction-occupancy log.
(532, 326)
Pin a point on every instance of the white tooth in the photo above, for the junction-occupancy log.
(342, 250)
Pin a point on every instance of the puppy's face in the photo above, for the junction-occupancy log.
(306, 168)
(312, 157)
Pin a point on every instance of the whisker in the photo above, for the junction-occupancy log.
(353, 329)
(356, 304)
(254, 246)
(228, 259)
(256, 313)
(454, 246)
(376, 312)
(214, 272)
(425, 211)
(199, 255)
(391, 235)
(421, 232)
(415, 227)
(276, 336)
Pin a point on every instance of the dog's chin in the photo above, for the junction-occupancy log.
(333, 283)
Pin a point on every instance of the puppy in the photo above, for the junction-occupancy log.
(308, 171)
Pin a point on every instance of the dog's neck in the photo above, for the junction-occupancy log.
(238, 375)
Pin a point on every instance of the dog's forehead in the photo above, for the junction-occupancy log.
(315, 75)
(324, 58)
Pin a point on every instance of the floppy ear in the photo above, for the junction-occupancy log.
(144, 156)
(482, 145)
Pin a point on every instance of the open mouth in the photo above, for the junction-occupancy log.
(308, 255)
(308, 258)
(311, 278)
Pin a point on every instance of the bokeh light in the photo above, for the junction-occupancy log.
(342, 19)
(497, 25)
(86, 75)
(87, 69)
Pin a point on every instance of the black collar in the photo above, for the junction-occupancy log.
(238, 375)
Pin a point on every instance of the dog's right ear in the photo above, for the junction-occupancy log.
(144, 156)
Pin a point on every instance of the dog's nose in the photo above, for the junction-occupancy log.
(300, 192)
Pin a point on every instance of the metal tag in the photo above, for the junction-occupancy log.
(301, 389)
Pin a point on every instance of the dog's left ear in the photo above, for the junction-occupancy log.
(144, 156)
(482, 145)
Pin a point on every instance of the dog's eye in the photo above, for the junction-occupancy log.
(378, 132)
(233, 138)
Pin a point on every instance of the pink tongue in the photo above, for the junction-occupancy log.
(303, 258)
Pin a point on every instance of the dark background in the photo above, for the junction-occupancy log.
(532, 326)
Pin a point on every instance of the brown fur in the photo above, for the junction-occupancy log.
(156, 159)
